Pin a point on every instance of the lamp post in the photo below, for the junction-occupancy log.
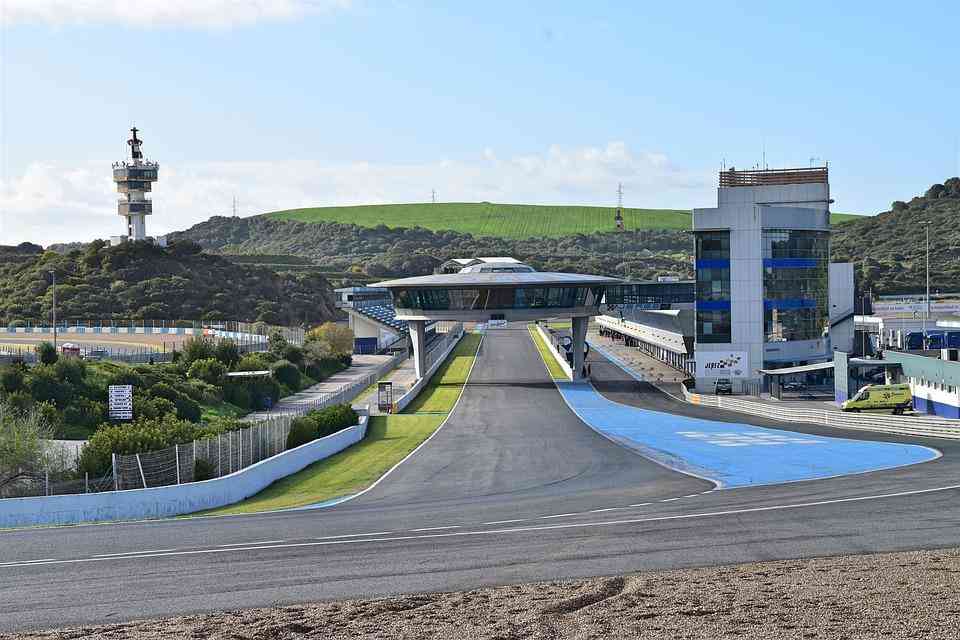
(926, 309)
(54, 274)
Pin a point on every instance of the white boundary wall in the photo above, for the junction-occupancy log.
(903, 425)
(556, 356)
(173, 500)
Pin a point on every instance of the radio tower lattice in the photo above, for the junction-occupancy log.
(619, 217)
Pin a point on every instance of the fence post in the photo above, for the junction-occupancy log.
(240, 448)
(46, 483)
(219, 456)
(116, 479)
(176, 455)
(142, 476)
(86, 482)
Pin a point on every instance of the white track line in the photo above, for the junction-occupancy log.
(128, 553)
(244, 544)
(454, 526)
(454, 534)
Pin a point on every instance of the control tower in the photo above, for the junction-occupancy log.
(134, 180)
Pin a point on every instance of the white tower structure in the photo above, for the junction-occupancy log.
(134, 180)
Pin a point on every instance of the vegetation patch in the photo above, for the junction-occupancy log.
(553, 367)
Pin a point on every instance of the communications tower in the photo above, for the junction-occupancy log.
(134, 180)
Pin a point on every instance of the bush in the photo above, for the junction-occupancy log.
(203, 470)
(47, 353)
(126, 375)
(320, 423)
(187, 408)
(19, 400)
(209, 370)
(81, 417)
(44, 386)
(70, 370)
(302, 431)
(237, 393)
(285, 372)
(197, 348)
(276, 343)
(204, 393)
(253, 362)
(227, 352)
(11, 379)
(322, 369)
(294, 354)
(147, 407)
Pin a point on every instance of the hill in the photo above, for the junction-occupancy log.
(889, 249)
(488, 219)
(140, 280)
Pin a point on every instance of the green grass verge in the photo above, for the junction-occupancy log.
(556, 372)
(499, 220)
(389, 439)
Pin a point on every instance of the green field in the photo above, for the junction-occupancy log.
(553, 367)
(499, 220)
(389, 439)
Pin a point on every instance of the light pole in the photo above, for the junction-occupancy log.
(926, 311)
(54, 274)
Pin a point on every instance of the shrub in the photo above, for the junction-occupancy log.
(44, 386)
(70, 370)
(209, 370)
(19, 400)
(47, 353)
(285, 372)
(294, 354)
(322, 369)
(187, 408)
(126, 375)
(334, 339)
(203, 392)
(253, 362)
(276, 343)
(238, 393)
(11, 379)
(197, 348)
(147, 407)
(227, 352)
(302, 431)
(82, 416)
(202, 470)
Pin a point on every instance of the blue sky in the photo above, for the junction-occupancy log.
(297, 103)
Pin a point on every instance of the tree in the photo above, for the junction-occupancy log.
(197, 348)
(11, 379)
(47, 353)
(227, 353)
(285, 372)
(21, 443)
(334, 339)
(277, 343)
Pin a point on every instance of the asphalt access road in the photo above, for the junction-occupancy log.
(514, 488)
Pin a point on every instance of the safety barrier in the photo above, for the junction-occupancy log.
(444, 351)
(901, 425)
(173, 500)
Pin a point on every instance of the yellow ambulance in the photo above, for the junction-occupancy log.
(879, 397)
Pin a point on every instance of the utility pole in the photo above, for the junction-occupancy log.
(235, 203)
(433, 196)
(54, 274)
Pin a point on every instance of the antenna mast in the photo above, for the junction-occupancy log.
(619, 217)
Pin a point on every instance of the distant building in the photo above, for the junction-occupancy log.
(134, 180)
(455, 265)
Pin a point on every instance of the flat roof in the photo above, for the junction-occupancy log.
(468, 280)
(819, 366)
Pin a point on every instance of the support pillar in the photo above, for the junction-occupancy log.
(579, 326)
(418, 342)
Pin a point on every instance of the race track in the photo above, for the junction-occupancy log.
(514, 488)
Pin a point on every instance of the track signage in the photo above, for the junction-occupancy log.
(120, 397)
(722, 364)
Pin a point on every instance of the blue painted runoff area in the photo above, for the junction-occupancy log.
(733, 454)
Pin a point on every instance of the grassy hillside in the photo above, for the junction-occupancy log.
(498, 220)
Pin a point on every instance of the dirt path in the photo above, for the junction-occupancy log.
(899, 595)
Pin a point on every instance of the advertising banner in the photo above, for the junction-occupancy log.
(722, 364)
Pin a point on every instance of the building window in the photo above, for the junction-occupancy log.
(713, 287)
(795, 284)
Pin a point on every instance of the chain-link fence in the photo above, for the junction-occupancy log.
(203, 459)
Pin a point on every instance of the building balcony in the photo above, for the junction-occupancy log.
(130, 186)
(125, 208)
(145, 171)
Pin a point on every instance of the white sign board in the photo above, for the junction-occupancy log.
(722, 364)
(120, 397)
(909, 309)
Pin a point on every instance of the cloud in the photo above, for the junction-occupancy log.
(208, 14)
(54, 203)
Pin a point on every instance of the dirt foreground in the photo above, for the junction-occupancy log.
(899, 595)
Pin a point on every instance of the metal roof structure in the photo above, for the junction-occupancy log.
(806, 368)
(468, 280)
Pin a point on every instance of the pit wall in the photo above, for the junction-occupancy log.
(174, 500)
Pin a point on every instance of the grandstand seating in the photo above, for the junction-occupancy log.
(384, 315)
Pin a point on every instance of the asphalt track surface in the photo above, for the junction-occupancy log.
(514, 488)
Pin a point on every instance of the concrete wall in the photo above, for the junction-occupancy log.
(161, 502)
(562, 361)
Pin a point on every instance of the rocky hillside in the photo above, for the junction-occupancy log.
(140, 280)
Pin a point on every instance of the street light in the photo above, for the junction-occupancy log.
(54, 274)
(926, 313)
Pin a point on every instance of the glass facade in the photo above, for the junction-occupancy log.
(713, 286)
(651, 294)
(489, 298)
(795, 284)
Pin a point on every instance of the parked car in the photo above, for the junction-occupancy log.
(723, 386)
